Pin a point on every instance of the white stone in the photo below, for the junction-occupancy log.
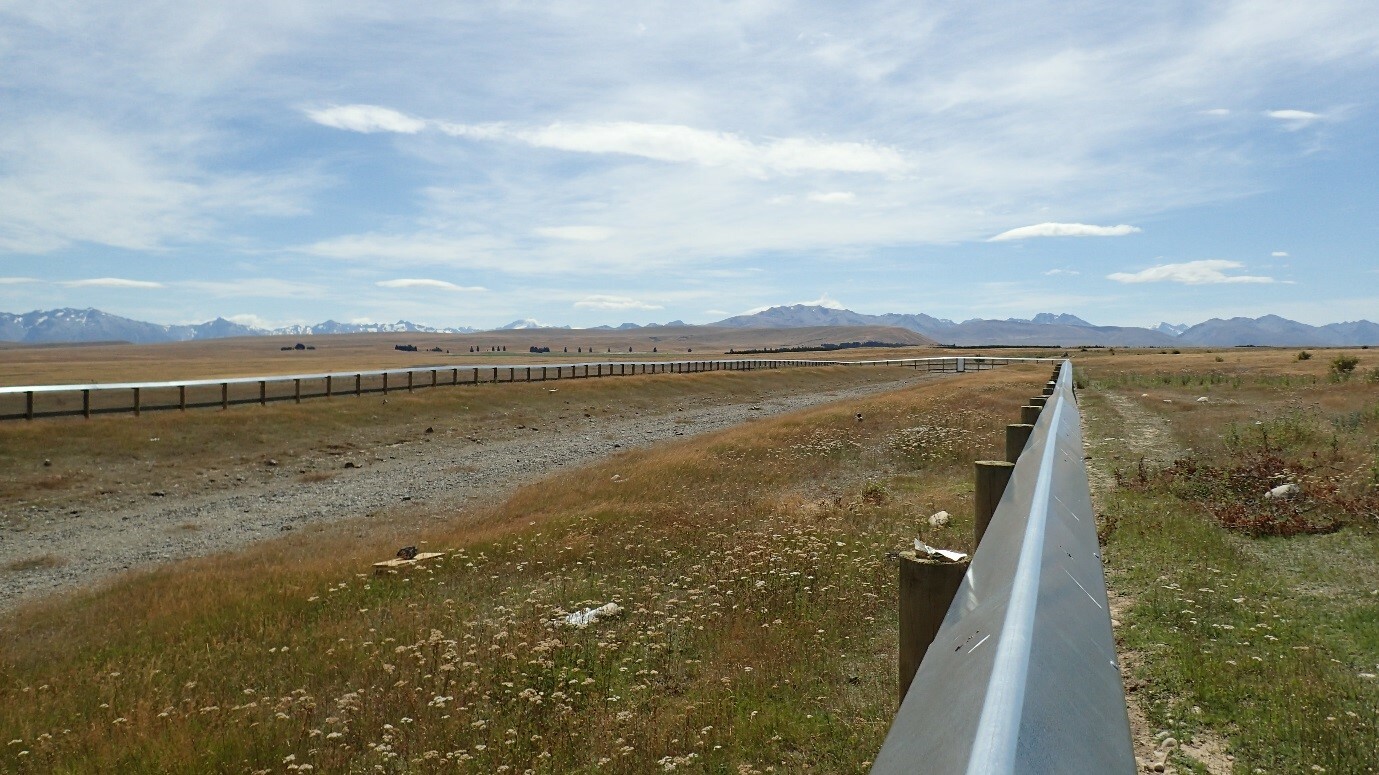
(1202, 400)
(939, 519)
(1283, 491)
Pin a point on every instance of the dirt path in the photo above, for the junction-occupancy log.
(434, 474)
(1140, 435)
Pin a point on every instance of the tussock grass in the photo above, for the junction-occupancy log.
(756, 633)
(1271, 642)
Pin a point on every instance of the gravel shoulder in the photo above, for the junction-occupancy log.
(435, 474)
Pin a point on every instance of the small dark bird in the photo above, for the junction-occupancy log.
(407, 552)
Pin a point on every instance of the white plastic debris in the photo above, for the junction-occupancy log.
(590, 615)
(1283, 491)
(939, 519)
(1202, 400)
(924, 550)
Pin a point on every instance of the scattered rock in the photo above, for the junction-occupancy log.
(271, 462)
(158, 493)
(47, 463)
(859, 417)
(429, 429)
(1283, 491)
(939, 519)
(1202, 400)
(351, 464)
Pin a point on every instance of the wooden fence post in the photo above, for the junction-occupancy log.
(992, 477)
(927, 587)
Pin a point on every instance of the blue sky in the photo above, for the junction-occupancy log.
(283, 162)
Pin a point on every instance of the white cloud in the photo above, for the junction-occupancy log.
(1217, 112)
(824, 300)
(424, 283)
(1057, 272)
(1208, 272)
(367, 119)
(16, 280)
(1300, 116)
(251, 320)
(1279, 254)
(833, 197)
(576, 233)
(660, 142)
(1064, 230)
(614, 303)
(111, 282)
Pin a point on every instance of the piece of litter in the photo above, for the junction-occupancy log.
(939, 519)
(590, 615)
(1202, 400)
(924, 550)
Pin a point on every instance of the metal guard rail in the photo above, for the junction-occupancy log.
(1022, 676)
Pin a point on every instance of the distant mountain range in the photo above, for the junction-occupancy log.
(92, 325)
(1064, 330)
(1070, 330)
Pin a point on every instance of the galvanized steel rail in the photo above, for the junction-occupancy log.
(34, 401)
(1022, 676)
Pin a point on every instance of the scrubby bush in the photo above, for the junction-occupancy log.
(1304, 356)
(1344, 365)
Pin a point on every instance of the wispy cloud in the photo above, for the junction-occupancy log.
(441, 285)
(112, 282)
(1279, 254)
(1294, 119)
(17, 280)
(614, 303)
(660, 142)
(366, 118)
(1064, 230)
(833, 197)
(1207, 272)
(576, 233)
(1058, 272)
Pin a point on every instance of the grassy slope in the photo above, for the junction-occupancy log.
(757, 631)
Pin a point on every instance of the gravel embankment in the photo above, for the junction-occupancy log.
(102, 541)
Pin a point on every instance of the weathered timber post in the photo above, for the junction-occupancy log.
(927, 587)
(1039, 401)
(136, 402)
(1049, 387)
(433, 377)
(455, 376)
(86, 404)
(28, 404)
(1017, 436)
(182, 397)
(495, 373)
(409, 380)
(224, 396)
(992, 477)
(263, 392)
(385, 383)
(329, 382)
(297, 389)
(1029, 414)
(529, 374)
(358, 384)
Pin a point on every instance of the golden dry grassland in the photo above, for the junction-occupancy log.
(756, 629)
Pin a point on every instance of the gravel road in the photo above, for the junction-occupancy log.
(107, 539)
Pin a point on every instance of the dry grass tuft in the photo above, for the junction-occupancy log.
(37, 563)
